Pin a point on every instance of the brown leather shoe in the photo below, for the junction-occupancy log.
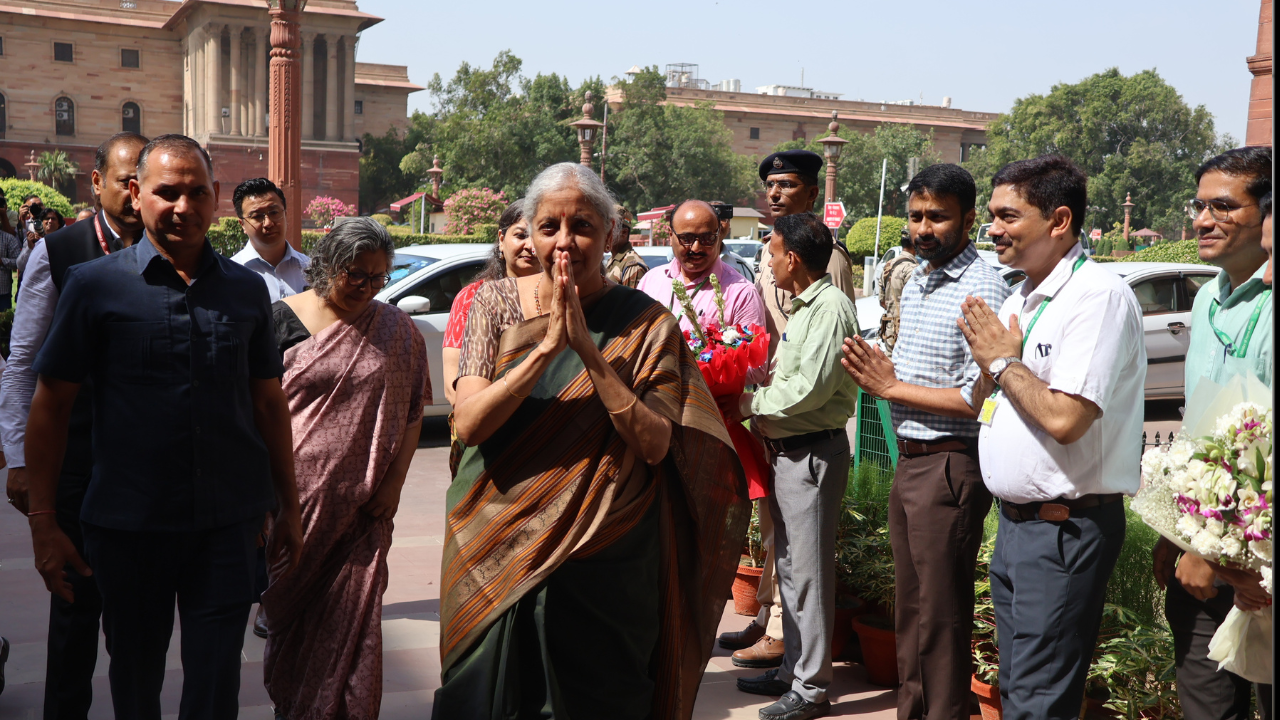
(744, 638)
(766, 653)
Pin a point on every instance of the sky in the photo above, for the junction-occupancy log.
(984, 55)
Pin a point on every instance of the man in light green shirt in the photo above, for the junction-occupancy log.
(802, 413)
(1231, 335)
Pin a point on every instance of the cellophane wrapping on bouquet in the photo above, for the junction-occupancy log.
(1210, 493)
(725, 354)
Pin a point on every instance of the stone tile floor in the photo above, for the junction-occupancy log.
(410, 622)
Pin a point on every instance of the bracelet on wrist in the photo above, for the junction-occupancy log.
(510, 392)
(33, 513)
(634, 398)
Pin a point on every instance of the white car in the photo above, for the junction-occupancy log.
(1165, 292)
(424, 281)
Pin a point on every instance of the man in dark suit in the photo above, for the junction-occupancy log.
(73, 626)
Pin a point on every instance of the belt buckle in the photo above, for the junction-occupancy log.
(1053, 512)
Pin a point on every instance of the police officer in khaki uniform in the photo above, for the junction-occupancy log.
(893, 279)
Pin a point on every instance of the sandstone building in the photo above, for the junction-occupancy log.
(73, 72)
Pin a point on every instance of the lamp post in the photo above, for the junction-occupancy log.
(587, 129)
(284, 164)
(831, 146)
(435, 172)
(1128, 207)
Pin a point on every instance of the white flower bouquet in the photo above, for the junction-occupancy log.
(1210, 493)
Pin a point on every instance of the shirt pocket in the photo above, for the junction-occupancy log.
(137, 352)
(231, 349)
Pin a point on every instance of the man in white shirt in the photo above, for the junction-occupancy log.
(1061, 433)
(260, 207)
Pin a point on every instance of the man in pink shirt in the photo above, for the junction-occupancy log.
(697, 250)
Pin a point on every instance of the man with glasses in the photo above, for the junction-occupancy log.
(261, 209)
(697, 249)
(1231, 323)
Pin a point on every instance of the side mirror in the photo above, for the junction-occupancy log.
(414, 304)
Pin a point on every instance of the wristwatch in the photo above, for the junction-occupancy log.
(999, 365)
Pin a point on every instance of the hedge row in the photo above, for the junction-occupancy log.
(1181, 251)
(228, 238)
(16, 188)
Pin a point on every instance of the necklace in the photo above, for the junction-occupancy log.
(537, 304)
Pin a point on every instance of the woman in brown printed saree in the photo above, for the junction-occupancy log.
(598, 509)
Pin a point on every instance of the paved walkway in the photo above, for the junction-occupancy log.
(410, 621)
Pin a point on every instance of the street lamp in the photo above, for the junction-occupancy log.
(831, 146)
(587, 130)
(434, 173)
(284, 163)
(1128, 208)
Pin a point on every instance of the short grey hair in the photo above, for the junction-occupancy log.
(341, 246)
(569, 174)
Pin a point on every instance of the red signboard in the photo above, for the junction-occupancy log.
(1095, 234)
(833, 214)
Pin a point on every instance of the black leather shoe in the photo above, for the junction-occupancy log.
(260, 624)
(793, 707)
(4, 657)
(766, 684)
(744, 638)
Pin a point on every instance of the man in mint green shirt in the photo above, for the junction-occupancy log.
(802, 414)
(1231, 335)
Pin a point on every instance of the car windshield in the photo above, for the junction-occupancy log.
(406, 265)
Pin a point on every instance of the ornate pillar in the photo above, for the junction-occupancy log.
(213, 70)
(332, 131)
(195, 46)
(1261, 94)
(285, 164)
(260, 59)
(187, 128)
(309, 86)
(349, 90)
(237, 83)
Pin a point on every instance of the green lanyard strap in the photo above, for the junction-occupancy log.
(1228, 343)
(1027, 333)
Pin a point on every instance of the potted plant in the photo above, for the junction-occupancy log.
(746, 583)
(866, 559)
(986, 658)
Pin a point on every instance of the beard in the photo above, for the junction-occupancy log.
(946, 245)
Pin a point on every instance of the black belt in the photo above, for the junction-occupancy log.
(1055, 510)
(795, 442)
(910, 447)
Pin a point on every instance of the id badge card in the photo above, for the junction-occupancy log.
(988, 410)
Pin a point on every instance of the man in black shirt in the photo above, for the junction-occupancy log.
(191, 441)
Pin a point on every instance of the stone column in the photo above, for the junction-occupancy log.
(237, 91)
(1258, 130)
(284, 165)
(309, 86)
(195, 47)
(332, 131)
(260, 49)
(187, 129)
(349, 90)
(213, 69)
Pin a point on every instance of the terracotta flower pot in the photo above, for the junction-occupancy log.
(847, 608)
(879, 649)
(745, 585)
(988, 699)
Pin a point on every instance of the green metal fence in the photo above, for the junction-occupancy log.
(875, 442)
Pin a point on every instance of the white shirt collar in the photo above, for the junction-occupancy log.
(1061, 273)
(102, 216)
(249, 252)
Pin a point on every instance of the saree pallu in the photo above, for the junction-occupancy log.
(567, 557)
(353, 389)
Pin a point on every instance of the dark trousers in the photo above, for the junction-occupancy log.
(73, 627)
(1204, 691)
(936, 510)
(211, 574)
(1048, 582)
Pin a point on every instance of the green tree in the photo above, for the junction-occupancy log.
(858, 172)
(56, 169)
(661, 154)
(1130, 134)
(861, 239)
(381, 179)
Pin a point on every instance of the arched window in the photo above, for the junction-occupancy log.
(64, 113)
(131, 118)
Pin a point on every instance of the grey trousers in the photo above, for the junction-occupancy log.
(808, 489)
(1204, 691)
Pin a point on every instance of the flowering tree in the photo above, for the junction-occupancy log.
(470, 208)
(323, 209)
(662, 232)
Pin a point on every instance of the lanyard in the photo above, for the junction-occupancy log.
(692, 297)
(1045, 304)
(97, 225)
(1229, 344)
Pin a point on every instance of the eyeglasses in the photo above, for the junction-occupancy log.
(258, 218)
(706, 239)
(357, 279)
(785, 186)
(1219, 210)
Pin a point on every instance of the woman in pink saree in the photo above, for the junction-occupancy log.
(356, 378)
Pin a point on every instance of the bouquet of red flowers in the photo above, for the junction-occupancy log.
(726, 353)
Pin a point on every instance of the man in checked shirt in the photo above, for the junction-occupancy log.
(938, 501)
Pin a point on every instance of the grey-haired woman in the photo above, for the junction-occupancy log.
(356, 378)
